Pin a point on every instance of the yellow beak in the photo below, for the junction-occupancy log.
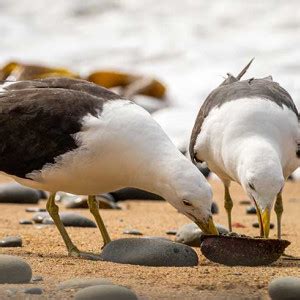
(264, 221)
(208, 227)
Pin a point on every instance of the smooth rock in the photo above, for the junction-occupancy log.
(14, 270)
(68, 219)
(37, 278)
(133, 194)
(105, 292)
(285, 288)
(251, 210)
(190, 234)
(25, 222)
(171, 232)
(149, 252)
(11, 241)
(245, 202)
(33, 291)
(16, 193)
(132, 232)
(256, 225)
(39, 217)
(105, 201)
(214, 208)
(35, 209)
(79, 283)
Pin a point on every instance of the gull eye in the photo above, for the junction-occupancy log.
(251, 186)
(186, 202)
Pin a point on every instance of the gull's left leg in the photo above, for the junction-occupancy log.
(278, 210)
(228, 206)
(94, 209)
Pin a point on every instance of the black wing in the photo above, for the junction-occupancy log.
(39, 117)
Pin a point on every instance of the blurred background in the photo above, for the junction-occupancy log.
(188, 45)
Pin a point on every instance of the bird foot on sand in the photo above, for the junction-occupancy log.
(85, 255)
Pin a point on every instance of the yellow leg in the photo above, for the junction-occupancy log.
(94, 209)
(228, 206)
(278, 210)
(53, 210)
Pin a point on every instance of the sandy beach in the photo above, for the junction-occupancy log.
(43, 248)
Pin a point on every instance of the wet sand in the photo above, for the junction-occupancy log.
(43, 248)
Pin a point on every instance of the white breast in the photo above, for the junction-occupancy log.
(224, 129)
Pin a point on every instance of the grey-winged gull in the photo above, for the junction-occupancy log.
(248, 131)
(60, 134)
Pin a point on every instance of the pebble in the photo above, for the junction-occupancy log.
(68, 219)
(149, 252)
(171, 232)
(33, 291)
(11, 241)
(35, 209)
(105, 292)
(37, 278)
(25, 222)
(285, 288)
(133, 194)
(16, 193)
(214, 208)
(14, 270)
(190, 234)
(105, 201)
(79, 283)
(245, 202)
(251, 210)
(132, 231)
(256, 225)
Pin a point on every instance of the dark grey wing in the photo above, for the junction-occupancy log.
(39, 117)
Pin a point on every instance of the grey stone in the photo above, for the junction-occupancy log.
(149, 252)
(79, 283)
(35, 209)
(37, 278)
(256, 225)
(39, 217)
(11, 241)
(33, 291)
(16, 193)
(285, 288)
(14, 270)
(245, 202)
(105, 292)
(25, 222)
(132, 231)
(171, 232)
(68, 219)
(81, 202)
(251, 210)
(214, 208)
(190, 234)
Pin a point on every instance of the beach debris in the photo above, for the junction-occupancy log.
(242, 251)
(149, 252)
